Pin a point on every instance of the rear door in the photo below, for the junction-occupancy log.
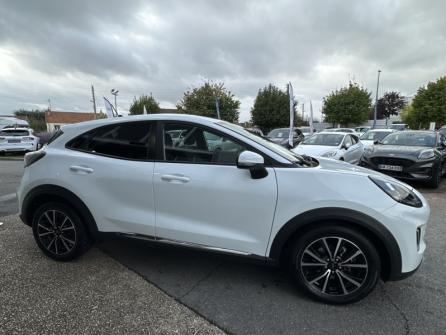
(202, 197)
(111, 170)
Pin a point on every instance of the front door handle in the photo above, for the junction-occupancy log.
(81, 169)
(174, 178)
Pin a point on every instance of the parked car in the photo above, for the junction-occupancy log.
(442, 131)
(18, 140)
(334, 145)
(280, 136)
(306, 131)
(12, 122)
(399, 126)
(339, 227)
(374, 135)
(362, 130)
(340, 130)
(413, 155)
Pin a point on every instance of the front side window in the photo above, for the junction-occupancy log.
(348, 141)
(129, 140)
(198, 145)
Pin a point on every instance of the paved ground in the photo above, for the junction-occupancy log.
(11, 171)
(93, 295)
(246, 298)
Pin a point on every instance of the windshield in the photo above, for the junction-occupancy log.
(279, 133)
(411, 139)
(277, 149)
(332, 140)
(375, 135)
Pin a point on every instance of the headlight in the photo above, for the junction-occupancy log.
(398, 192)
(426, 154)
(329, 154)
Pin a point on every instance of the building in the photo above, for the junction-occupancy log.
(54, 119)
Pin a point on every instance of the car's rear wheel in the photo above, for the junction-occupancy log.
(335, 264)
(59, 232)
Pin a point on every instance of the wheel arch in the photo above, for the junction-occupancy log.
(379, 235)
(46, 193)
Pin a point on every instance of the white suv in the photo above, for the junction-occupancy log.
(218, 187)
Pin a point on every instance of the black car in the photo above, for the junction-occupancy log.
(281, 135)
(415, 155)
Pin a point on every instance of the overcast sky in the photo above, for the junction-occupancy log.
(57, 49)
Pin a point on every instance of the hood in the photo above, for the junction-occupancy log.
(396, 151)
(327, 164)
(313, 150)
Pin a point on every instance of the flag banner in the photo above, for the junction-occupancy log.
(109, 108)
(311, 119)
(291, 95)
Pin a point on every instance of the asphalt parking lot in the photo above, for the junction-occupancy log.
(237, 295)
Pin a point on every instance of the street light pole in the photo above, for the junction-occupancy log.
(115, 93)
(376, 102)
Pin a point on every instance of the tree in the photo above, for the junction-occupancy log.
(390, 104)
(411, 117)
(349, 105)
(201, 101)
(148, 101)
(272, 109)
(429, 104)
(35, 118)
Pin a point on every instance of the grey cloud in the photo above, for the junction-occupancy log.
(165, 47)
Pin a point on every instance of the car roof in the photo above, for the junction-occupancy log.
(335, 132)
(148, 117)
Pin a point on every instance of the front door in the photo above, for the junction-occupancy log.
(201, 197)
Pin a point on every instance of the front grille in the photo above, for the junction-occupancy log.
(405, 163)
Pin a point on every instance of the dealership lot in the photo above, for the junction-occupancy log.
(239, 296)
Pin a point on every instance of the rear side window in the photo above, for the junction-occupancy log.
(129, 140)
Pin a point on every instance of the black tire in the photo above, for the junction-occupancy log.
(335, 287)
(65, 240)
(435, 180)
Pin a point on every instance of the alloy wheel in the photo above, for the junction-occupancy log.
(56, 232)
(334, 265)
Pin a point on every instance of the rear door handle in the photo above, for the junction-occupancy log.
(173, 178)
(81, 169)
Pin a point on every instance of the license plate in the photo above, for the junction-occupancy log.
(13, 141)
(390, 167)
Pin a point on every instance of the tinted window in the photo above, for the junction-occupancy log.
(354, 139)
(14, 132)
(374, 135)
(197, 145)
(127, 140)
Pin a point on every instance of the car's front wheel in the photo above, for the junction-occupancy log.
(59, 232)
(335, 264)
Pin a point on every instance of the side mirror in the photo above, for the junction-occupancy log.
(375, 142)
(253, 162)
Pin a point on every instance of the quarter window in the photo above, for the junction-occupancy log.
(192, 144)
(129, 140)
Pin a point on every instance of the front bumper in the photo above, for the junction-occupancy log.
(408, 226)
(412, 170)
(18, 147)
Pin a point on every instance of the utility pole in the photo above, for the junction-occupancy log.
(217, 106)
(303, 112)
(93, 101)
(376, 102)
(49, 104)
